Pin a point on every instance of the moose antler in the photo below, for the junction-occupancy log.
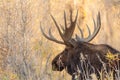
(96, 30)
(67, 32)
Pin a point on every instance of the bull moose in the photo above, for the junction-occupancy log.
(79, 54)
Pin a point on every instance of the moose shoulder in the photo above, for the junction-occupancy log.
(79, 51)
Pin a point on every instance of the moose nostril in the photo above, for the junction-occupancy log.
(54, 67)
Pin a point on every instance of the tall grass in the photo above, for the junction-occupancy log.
(105, 74)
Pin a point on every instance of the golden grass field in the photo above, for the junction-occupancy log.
(26, 55)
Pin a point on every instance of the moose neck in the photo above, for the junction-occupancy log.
(86, 45)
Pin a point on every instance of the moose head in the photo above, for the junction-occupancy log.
(70, 58)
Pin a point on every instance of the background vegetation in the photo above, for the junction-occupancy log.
(26, 55)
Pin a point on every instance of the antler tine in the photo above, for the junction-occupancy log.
(50, 37)
(69, 30)
(76, 17)
(57, 26)
(89, 31)
(98, 19)
(71, 16)
(96, 30)
(81, 32)
(65, 20)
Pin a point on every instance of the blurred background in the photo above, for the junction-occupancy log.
(26, 55)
